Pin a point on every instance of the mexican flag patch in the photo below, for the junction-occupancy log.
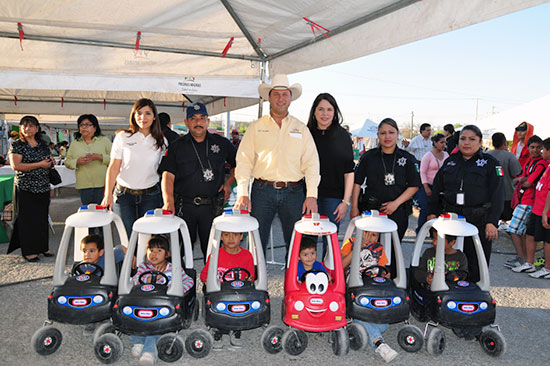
(500, 172)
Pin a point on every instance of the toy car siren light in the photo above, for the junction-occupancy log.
(234, 211)
(92, 207)
(159, 212)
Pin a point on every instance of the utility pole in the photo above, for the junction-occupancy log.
(412, 123)
(477, 105)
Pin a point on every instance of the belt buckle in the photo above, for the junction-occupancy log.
(275, 185)
(197, 201)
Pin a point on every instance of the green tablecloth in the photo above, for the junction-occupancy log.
(6, 195)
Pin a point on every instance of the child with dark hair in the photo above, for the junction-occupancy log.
(158, 253)
(456, 263)
(92, 248)
(308, 257)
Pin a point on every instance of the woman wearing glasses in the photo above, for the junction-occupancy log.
(89, 155)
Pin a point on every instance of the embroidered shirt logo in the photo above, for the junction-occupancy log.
(215, 148)
(402, 161)
(481, 162)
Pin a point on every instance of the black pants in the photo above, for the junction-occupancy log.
(198, 219)
(470, 251)
(30, 231)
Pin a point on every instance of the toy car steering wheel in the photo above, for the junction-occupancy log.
(303, 278)
(236, 273)
(78, 270)
(154, 275)
(381, 271)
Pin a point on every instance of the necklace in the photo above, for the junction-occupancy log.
(389, 178)
(207, 174)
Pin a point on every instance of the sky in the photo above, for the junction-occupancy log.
(455, 77)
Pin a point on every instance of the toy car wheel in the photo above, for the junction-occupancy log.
(358, 337)
(170, 347)
(46, 340)
(492, 342)
(294, 341)
(199, 343)
(410, 338)
(340, 342)
(272, 339)
(102, 329)
(108, 348)
(435, 344)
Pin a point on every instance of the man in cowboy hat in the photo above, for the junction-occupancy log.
(279, 153)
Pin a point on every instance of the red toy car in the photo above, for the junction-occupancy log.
(317, 304)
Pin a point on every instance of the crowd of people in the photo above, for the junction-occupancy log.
(286, 167)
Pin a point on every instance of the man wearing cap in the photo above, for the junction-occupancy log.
(193, 178)
(235, 138)
(519, 144)
(279, 153)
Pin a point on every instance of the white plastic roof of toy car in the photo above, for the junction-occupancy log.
(453, 224)
(236, 221)
(157, 221)
(375, 221)
(315, 224)
(90, 216)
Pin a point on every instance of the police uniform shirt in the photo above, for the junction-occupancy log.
(181, 160)
(481, 180)
(371, 168)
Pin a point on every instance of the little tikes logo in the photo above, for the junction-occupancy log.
(147, 288)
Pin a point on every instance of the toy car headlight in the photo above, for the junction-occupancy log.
(164, 311)
(256, 305)
(334, 306)
(483, 306)
(127, 310)
(364, 301)
(396, 300)
(299, 306)
(451, 305)
(61, 300)
(98, 299)
(220, 306)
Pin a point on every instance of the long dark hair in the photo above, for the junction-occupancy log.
(91, 118)
(33, 121)
(336, 120)
(155, 130)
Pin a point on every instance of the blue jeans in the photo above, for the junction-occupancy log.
(267, 201)
(130, 207)
(149, 344)
(326, 206)
(422, 200)
(374, 331)
(91, 195)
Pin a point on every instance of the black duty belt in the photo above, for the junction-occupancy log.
(198, 201)
(468, 211)
(279, 185)
(136, 192)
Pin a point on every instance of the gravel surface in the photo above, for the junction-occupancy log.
(523, 314)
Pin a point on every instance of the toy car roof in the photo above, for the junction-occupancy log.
(453, 224)
(90, 216)
(236, 221)
(159, 222)
(315, 224)
(375, 221)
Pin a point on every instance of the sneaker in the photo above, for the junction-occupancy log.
(218, 342)
(89, 329)
(136, 349)
(386, 352)
(525, 267)
(235, 339)
(541, 273)
(503, 226)
(147, 359)
(539, 262)
(514, 262)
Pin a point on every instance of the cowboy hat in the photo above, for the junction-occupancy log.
(279, 81)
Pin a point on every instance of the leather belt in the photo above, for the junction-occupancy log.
(136, 192)
(279, 185)
(198, 201)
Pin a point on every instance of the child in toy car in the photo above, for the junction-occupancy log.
(371, 262)
(308, 257)
(157, 270)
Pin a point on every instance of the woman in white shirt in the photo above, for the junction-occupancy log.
(132, 182)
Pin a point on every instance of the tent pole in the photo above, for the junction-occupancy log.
(263, 68)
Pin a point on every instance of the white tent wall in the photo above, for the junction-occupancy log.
(78, 41)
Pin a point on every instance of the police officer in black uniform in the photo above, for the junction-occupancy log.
(193, 178)
(392, 179)
(470, 183)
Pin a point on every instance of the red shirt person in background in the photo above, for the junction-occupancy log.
(523, 133)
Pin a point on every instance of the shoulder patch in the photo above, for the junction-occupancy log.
(500, 171)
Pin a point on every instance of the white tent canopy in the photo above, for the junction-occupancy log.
(536, 112)
(80, 56)
(369, 129)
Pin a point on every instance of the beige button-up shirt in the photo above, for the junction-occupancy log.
(285, 154)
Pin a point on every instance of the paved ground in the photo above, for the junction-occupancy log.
(523, 314)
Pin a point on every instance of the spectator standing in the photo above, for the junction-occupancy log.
(510, 166)
(30, 159)
(278, 152)
(132, 183)
(166, 127)
(235, 139)
(523, 133)
(89, 156)
(451, 137)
